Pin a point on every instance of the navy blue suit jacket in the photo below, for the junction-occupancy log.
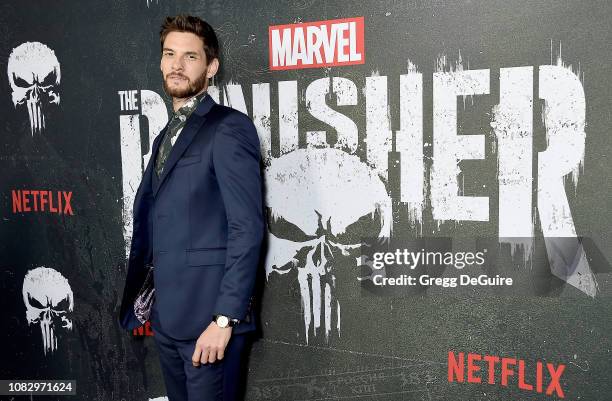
(200, 224)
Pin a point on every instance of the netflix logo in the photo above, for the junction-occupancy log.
(42, 201)
(144, 330)
(317, 44)
(503, 371)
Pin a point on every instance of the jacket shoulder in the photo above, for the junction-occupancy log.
(234, 120)
(227, 114)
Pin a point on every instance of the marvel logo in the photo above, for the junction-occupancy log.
(317, 44)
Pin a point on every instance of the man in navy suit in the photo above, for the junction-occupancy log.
(198, 220)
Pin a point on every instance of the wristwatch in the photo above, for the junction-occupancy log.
(224, 321)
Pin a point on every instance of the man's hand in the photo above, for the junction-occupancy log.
(211, 344)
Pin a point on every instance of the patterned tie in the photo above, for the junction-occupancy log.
(177, 123)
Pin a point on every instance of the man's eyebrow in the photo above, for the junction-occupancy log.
(167, 49)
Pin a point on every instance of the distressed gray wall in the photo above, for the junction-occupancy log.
(389, 348)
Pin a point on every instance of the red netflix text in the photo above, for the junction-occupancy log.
(504, 371)
(42, 201)
(144, 330)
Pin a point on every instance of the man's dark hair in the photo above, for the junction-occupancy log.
(195, 25)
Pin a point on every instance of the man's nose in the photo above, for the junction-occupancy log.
(177, 64)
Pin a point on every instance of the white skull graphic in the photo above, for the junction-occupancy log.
(49, 302)
(322, 203)
(34, 75)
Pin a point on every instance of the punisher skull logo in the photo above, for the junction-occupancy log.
(34, 76)
(49, 302)
(321, 203)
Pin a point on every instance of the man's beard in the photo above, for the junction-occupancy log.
(192, 87)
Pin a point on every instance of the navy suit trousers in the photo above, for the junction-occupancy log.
(219, 381)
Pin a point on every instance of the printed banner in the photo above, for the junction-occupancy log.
(436, 195)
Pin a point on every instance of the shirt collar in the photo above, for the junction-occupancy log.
(190, 105)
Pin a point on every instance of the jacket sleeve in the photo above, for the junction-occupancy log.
(236, 157)
(140, 250)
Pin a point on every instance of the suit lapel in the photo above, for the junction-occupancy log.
(150, 170)
(191, 128)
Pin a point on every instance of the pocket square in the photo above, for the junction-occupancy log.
(145, 298)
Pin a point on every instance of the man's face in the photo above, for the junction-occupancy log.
(184, 66)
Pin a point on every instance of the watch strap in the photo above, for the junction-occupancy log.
(231, 322)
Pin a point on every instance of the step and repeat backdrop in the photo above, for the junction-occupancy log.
(436, 187)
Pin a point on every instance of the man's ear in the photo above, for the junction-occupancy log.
(212, 68)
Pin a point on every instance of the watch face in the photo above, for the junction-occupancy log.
(222, 321)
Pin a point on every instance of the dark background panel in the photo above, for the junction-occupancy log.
(389, 348)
